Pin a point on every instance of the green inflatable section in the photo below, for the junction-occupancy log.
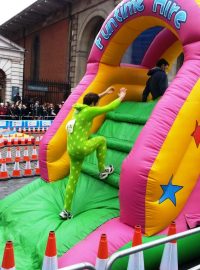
(27, 216)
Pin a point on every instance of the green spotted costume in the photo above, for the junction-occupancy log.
(79, 145)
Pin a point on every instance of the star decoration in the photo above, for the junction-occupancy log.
(169, 192)
(196, 134)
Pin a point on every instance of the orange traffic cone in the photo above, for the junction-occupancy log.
(8, 262)
(28, 171)
(37, 168)
(26, 156)
(34, 155)
(102, 256)
(136, 260)
(4, 172)
(16, 170)
(18, 155)
(170, 255)
(50, 261)
(8, 155)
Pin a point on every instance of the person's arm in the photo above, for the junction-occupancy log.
(97, 110)
(109, 90)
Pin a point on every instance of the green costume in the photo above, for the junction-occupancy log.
(79, 145)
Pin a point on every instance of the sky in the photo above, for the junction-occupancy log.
(10, 8)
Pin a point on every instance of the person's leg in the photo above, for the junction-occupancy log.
(99, 144)
(75, 168)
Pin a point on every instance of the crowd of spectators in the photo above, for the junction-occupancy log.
(19, 109)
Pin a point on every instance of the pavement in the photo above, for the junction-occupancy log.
(7, 187)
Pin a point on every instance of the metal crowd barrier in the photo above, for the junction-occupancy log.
(79, 266)
(142, 247)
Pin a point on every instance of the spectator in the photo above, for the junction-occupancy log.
(16, 98)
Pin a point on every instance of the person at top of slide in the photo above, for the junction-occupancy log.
(79, 145)
(158, 81)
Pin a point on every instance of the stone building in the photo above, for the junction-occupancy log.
(11, 69)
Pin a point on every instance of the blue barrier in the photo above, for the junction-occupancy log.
(25, 124)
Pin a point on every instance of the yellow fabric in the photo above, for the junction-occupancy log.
(179, 157)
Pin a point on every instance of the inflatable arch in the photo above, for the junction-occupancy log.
(165, 154)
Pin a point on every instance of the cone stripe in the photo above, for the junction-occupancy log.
(137, 238)
(8, 257)
(103, 247)
(51, 245)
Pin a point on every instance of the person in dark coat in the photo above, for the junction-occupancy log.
(158, 81)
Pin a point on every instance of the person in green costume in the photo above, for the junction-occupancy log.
(79, 145)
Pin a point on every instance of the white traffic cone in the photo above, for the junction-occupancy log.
(102, 256)
(34, 155)
(26, 156)
(29, 140)
(8, 262)
(136, 260)
(50, 261)
(4, 171)
(23, 140)
(9, 141)
(37, 140)
(37, 168)
(16, 173)
(1, 141)
(16, 140)
(18, 155)
(170, 255)
(28, 171)
(8, 155)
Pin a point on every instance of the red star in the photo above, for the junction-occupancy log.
(196, 134)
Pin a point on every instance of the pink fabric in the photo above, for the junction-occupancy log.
(85, 82)
(155, 51)
(118, 234)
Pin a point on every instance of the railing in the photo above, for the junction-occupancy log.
(79, 266)
(195, 268)
(142, 247)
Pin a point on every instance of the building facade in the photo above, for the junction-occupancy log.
(11, 69)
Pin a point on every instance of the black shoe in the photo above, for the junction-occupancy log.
(108, 170)
(65, 215)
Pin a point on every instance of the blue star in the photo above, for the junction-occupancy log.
(169, 192)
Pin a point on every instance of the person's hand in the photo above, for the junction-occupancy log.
(122, 93)
(110, 90)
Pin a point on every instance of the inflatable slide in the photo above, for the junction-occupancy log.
(154, 147)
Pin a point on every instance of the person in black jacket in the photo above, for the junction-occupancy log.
(158, 81)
